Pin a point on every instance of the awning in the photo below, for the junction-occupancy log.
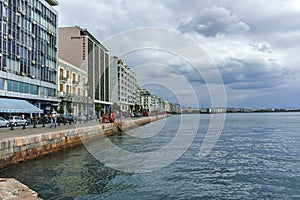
(17, 106)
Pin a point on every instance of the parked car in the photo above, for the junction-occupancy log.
(65, 119)
(69, 118)
(4, 122)
(137, 114)
(81, 118)
(17, 121)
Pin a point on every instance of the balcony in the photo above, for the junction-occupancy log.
(63, 79)
(52, 2)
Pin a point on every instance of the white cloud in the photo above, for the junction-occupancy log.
(213, 22)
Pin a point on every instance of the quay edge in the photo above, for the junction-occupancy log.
(18, 149)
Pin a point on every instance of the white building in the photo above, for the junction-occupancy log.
(147, 100)
(122, 85)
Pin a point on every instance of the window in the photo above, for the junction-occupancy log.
(1, 84)
(61, 87)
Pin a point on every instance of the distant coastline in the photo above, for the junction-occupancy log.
(236, 110)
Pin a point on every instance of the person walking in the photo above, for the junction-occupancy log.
(53, 118)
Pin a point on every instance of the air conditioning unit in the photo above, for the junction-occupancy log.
(33, 36)
(5, 3)
(32, 76)
(5, 37)
(4, 69)
(29, 49)
(33, 62)
(10, 36)
(19, 25)
(18, 57)
(23, 74)
(5, 19)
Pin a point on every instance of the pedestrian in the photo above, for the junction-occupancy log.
(53, 118)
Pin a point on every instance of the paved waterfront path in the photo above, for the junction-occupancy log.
(19, 132)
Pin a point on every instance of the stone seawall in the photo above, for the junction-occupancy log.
(18, 149)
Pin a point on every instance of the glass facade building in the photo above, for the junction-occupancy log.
(28, 51)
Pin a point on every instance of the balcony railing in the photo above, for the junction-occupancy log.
(63, 79)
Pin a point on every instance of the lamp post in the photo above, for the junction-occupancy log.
(87, 100)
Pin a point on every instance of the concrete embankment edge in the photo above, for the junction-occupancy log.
(13, 189)
(19, 149)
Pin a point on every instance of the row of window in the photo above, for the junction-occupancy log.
(26, 88)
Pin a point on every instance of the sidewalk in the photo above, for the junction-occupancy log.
(20, 132)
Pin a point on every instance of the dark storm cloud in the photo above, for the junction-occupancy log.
(251, 74)
(255, 43)
(214, 21)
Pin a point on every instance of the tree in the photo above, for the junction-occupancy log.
(116, 107)
(70, 109)
(98, 108)
(61, 110)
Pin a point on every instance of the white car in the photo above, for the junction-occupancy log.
(17, 121)
(4, 122)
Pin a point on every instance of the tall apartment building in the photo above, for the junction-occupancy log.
(80, 48)
(28, 51)
(72, 89)
(123, 85)
(147, 100)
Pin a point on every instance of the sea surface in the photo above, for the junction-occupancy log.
(256, 156)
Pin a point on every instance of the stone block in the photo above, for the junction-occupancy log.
(19, 142)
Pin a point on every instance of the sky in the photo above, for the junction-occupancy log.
(201, 53)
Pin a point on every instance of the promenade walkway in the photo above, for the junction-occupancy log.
(20, 132)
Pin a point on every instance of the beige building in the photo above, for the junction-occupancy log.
(72, 89)
(80, 48)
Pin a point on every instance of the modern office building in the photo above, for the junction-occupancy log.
(80, 48)
(72, 89)
(123, 85)
(28, 51)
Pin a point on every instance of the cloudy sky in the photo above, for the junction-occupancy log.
(253, 45)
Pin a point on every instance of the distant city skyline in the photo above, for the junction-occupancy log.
(254, 44)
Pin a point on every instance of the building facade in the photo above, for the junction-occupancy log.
(79, 47)
(123, 85)
(147, 100)
(28, 51)
(72, 90)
